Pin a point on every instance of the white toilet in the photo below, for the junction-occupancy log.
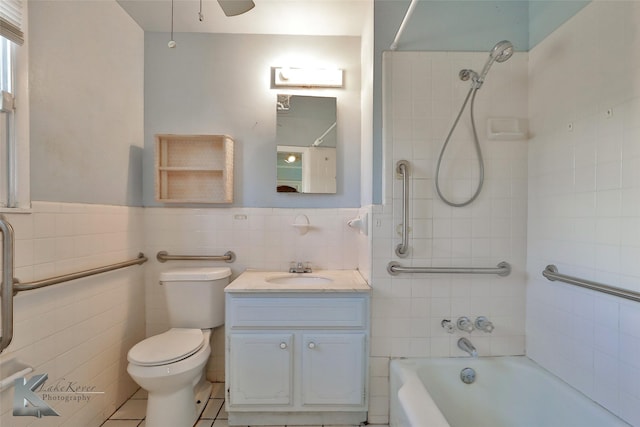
(171, 366)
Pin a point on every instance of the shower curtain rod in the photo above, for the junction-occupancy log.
(407, 16)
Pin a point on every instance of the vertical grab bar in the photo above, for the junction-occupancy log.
(6, 287)
(402, 169)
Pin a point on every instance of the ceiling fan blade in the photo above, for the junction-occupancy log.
(236, 7)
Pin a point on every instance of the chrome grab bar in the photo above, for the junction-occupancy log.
(402, 169)
(503, 269)
(10, 286)
(551, 273)
(228, 256)
(6, 287)
(28, 286)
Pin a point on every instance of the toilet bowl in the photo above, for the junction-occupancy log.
(171, 366)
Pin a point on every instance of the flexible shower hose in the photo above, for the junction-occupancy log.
(471, 94)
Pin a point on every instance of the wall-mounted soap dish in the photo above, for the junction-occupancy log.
(506, 129)
(360, 223)
(302, 224)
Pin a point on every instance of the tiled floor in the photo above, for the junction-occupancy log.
(132, 412)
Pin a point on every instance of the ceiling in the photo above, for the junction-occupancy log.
(286, 17)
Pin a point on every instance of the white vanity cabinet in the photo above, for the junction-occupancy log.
(296, 357)
(261, 369)
(332, 369)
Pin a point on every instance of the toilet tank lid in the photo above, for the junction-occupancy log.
(195, 274)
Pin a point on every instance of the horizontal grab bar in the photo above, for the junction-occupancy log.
(228, 256)
(551, 273)
(28, 286)
(503, 269)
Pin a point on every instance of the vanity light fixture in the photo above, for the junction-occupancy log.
(307, 77)
(291, 158)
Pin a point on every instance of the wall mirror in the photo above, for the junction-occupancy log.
(306, 144)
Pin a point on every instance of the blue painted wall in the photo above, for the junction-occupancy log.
(546, 16)
(220, 84)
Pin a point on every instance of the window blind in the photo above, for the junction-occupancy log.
(11, 20)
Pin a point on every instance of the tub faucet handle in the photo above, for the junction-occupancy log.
(464, 324)
(448, 326)
(484, 324)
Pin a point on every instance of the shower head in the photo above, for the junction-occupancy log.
(501, 52)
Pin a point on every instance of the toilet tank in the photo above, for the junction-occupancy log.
(195, 296)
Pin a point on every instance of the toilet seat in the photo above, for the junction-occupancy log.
(168, 347)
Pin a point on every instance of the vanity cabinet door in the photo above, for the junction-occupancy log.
(260, 369)
(333, 369)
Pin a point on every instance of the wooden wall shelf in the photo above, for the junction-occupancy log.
(194, 169)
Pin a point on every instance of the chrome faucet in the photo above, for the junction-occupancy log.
(465, 324)
(299, 268)
(484, 324)
(465, 345)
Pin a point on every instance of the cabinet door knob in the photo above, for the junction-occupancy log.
(312, 345)
(283, 345)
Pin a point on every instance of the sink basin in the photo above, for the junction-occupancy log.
(281, 281)
(299, 279)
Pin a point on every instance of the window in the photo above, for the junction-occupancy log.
(7, 151)
(11, 37)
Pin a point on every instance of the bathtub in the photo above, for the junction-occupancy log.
(507, 392)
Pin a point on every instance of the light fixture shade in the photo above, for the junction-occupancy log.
(236, 7)
(291, 158)
(307, 77)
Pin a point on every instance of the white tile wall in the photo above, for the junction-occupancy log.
(261, 238)
(82, 330)
(422, 95)
(78, 331)
(584, 203)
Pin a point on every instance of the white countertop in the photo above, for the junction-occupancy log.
(341, 281)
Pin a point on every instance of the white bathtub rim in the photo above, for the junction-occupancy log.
(404, 371)
(418, 405)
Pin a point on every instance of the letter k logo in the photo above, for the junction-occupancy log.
(23, 395)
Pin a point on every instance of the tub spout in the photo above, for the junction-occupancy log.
(465, 345)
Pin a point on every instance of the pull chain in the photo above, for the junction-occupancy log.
(172, 42)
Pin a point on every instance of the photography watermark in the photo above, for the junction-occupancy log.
(27, 403)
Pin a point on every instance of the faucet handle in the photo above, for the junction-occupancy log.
(465, 324)
(448, 326)
(484, 324)
(299, 267)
